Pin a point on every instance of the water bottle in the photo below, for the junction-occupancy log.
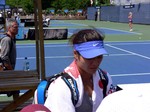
(26, 66)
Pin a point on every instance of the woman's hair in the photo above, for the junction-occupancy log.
(86, 35)
(130, 13)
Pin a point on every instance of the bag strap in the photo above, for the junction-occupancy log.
(42, 89)
(104, 79)
(72, 86)
(71, 83)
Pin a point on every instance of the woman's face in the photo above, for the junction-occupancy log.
(88, 65)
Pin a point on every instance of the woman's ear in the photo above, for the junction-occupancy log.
(75, 54)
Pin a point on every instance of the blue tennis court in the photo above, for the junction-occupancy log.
(73, 27)
(106, 31)
(127, 62)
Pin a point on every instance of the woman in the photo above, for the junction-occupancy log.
(88, 49)
(130, 16)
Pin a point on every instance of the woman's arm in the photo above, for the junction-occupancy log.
(59, 97)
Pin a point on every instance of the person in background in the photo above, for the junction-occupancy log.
(88, 50)
(8, 49)
(96, 14)
(48, 20)
(130, 16)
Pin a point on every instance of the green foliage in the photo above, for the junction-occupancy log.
(27, 5)
(13, 3)
(46, 4)
(101, 2)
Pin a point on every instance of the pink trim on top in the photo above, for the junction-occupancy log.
(72, 68)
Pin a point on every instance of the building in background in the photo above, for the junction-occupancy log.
(128, 2)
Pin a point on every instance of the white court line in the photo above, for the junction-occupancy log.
(79, 24)
(109, 29)
(49, 57)
(138, 41)
(47, 45)
(136, 54)
(73, 23)
(119, 55)
(130, 43)
(121, 30)
(66, 44)
(26, 46)
(52, 57)
(114, 30)
(124, 75)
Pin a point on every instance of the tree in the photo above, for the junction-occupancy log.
(13, 3)
(27, 5)
(46, 4)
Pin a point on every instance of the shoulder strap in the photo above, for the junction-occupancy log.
(41, 92)
(43, 87)
(71, 83)
(72, 86)
(104, 79)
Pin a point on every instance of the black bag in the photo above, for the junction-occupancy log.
(2, 66)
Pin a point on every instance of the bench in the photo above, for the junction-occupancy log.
(4, 103)
(18, 80)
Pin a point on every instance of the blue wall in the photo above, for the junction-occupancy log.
(91, 13)
(110, 13)
(141, 13)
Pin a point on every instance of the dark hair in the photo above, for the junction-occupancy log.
(86, 35)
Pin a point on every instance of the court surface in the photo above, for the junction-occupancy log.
(128, 62)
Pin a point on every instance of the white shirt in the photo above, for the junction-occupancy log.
(59, 95)
(135, 99)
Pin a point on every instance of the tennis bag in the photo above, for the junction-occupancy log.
(2, 66)
(42, 89)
